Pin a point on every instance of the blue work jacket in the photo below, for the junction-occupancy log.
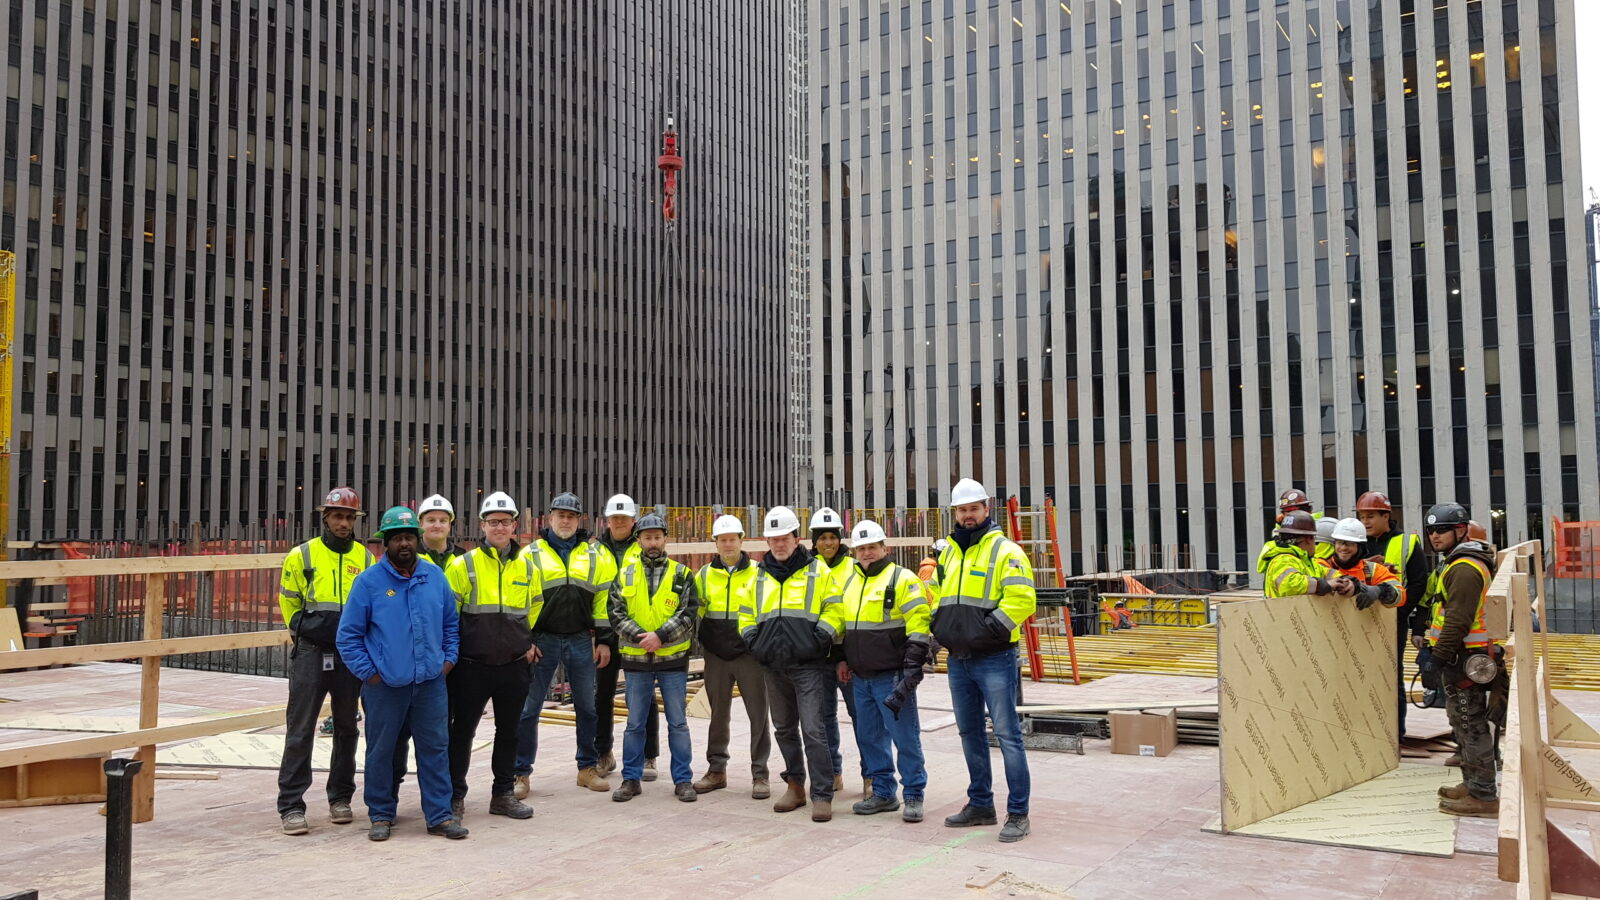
(402, 629)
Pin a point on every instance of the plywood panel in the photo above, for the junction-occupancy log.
(1397, 811)
(1308, 705)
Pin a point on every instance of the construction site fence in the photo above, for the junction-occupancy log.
(110, 609)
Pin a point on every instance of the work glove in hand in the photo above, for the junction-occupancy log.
(903, 689)
(1366, 595)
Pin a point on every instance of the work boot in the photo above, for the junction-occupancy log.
(339, 812)
(629, 790)
(1471, 807)
(650, 769)
(793, 798)
(838, 784)
(711, 781)
(295, 823)
(822, 810)
(608, 764)
(458, 808)
(1454, 793)
(760, 790)
(912, 811)
(510, 807)
(1453, 761)
(971, 815)
(379, 831)
(521, 790)
(590, 778)
(686, 792)
(449, 828)
(874, 805)
(1016, 829)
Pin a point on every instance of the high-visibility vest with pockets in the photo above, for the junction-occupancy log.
(1478, 636)
(652, 610)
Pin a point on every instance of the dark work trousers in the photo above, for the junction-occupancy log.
(605, 695)
(472, 687)
(1402, 637)
(798, 699)
(309, 685)
(1468, 709)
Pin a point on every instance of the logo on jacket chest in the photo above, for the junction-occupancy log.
(352, 569)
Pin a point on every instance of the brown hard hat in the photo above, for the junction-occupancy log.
(1293, 498)
(1298, 522)
(1374, 501)
(342, 498)
(1476, 532)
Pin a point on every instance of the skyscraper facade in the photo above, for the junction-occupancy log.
(1160, 259)
(269, 247)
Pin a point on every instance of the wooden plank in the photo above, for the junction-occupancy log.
(84, 653)
(107, 743)
(187, 775)
(143, 565)
(144, 783)
(10, 631)
(1509, 824)
(1306, 702)
(1533, 850)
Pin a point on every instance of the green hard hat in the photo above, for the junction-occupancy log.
(397, 518)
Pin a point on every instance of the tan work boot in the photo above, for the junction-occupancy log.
(1454, 793)
(521, 790)
(608, 764)
(760, 790)
(1472, 807)
(821, 810)
(590, 778)
(712, 781)
(792, 799)
(838, 784)
(1453, 761)
(650, 769)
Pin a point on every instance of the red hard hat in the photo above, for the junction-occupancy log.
(342, 498)
(1476, 532)
(1300, 522)
(1374, 501)
(1293, 498)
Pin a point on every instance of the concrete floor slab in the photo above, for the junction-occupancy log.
(1103, 826)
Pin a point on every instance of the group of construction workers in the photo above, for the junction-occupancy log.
(1440, 613)
(426, 636)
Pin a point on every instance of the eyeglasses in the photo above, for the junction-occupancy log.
(499, 523)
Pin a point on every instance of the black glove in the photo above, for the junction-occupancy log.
(916, 654)
(1366, 595)
(903, 689)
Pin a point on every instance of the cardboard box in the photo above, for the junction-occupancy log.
(1144, 733)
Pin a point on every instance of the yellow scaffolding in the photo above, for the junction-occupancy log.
(8, 319)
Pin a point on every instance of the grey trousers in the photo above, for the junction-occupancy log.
(720, 677)
(798, 698)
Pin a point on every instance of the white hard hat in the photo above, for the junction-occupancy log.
(439, 503)
(940, 545)
(968, 491)
(826, 518)
(866, 532)
(1349, 530)
(779, 521)
(1325, 527)
(727, 525)
(622, 505)
(499, 501)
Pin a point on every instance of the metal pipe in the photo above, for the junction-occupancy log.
(119, 827)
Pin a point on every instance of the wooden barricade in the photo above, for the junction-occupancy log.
(156, 571)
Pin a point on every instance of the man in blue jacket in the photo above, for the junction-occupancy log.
(399, 634)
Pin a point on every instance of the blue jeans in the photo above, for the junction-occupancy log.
(991, 682)
(641, 691)
(832, 713)
(425, 709)
(576, 652)
(877, 728)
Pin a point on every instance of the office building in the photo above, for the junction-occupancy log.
(266, 248)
